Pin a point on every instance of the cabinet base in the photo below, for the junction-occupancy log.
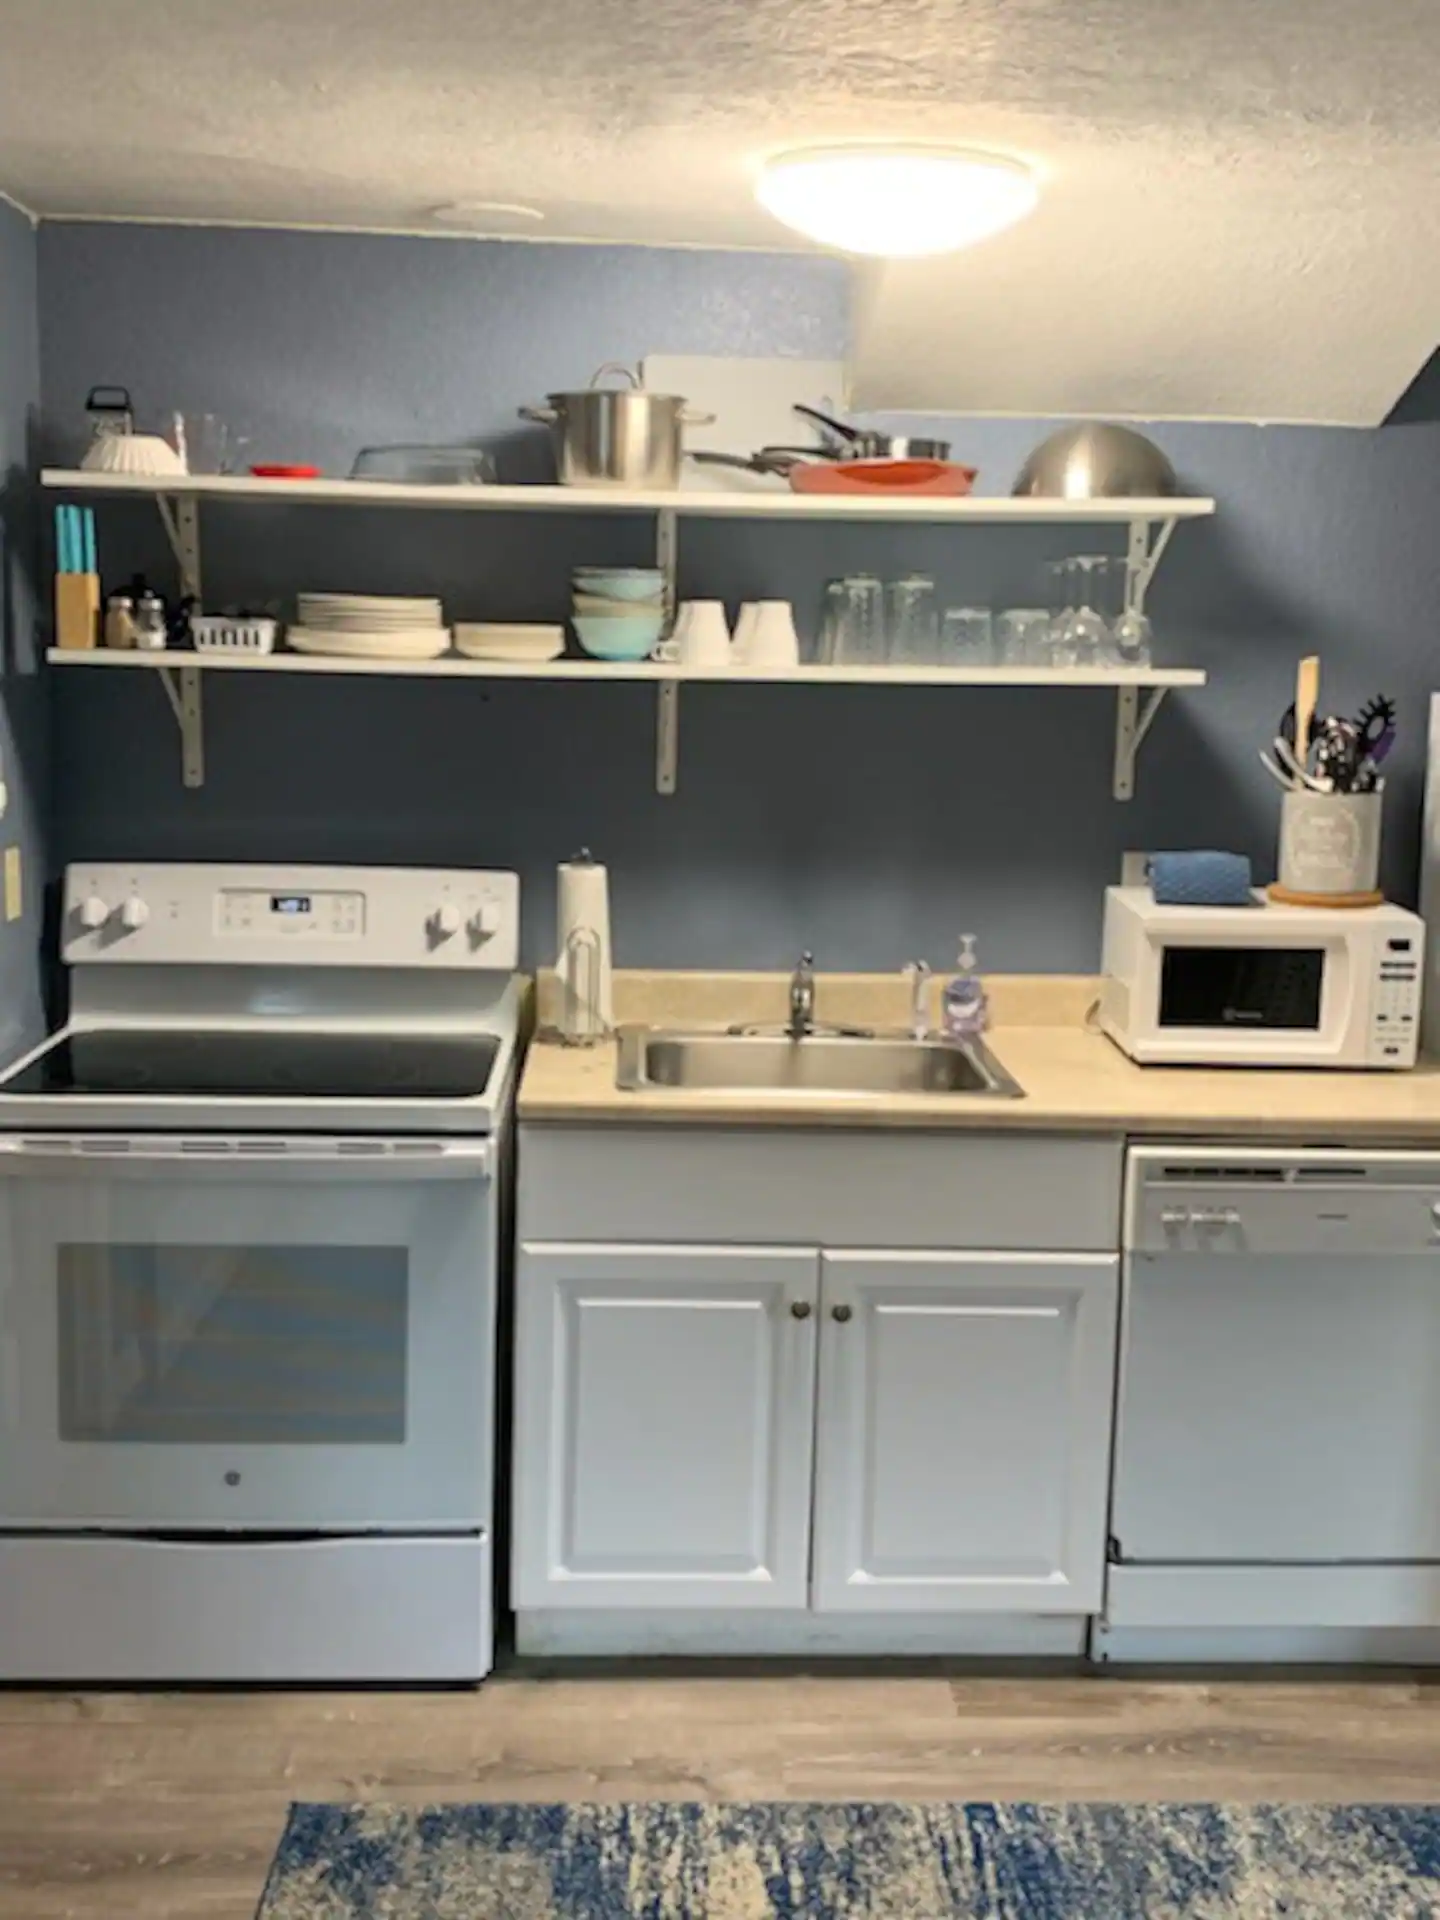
(1266, 1646)
(603, 1633)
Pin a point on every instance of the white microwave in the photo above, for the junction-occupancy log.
(1261, 986)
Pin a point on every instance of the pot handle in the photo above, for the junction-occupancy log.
(542, 416)
(108, 400)
(616, 366)
(845, 431)
(693, 417)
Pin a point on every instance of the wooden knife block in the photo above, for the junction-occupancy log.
(77, 610)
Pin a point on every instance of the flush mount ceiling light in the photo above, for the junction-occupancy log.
(897, 201)
(486, 216)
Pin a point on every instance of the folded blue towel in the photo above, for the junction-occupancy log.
(1201, 879)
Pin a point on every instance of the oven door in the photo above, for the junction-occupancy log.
(286, 1334)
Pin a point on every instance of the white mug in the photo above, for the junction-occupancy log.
(773, 640)
(703, 634)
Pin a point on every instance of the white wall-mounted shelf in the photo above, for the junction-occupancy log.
(456, 667)
(1150, 524)
(684, 502)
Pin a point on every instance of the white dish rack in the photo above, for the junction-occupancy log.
(221, 633)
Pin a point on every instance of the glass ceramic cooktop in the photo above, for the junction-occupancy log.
(320, 1066)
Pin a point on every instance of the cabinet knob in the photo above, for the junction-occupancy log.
(841, 1313)
(799, 1309)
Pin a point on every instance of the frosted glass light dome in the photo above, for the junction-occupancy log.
(900, 202)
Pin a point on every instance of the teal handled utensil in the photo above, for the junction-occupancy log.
(87, 540)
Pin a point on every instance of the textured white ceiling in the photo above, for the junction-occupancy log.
(1240, 215)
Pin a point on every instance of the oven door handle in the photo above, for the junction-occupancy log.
(291, 1157)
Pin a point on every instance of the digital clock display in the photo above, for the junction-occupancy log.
(290, 903)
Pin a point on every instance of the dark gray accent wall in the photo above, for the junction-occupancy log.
(869, 825)
(22, 693)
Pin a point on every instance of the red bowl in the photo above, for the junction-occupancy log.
(286, 473)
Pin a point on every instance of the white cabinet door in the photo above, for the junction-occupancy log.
(664, 1418)
(964, 1431)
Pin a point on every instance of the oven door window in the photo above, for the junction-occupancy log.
(1242, 989)
(259, 1345)
(210, 1346)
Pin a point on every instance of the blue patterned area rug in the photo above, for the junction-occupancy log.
(781, 1861)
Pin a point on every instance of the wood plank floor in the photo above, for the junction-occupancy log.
(122, 1805)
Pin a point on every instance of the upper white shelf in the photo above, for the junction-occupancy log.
(686, 503)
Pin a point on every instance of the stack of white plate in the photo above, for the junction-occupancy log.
(379, 626)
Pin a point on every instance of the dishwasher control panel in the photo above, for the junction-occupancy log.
(1216, 1202)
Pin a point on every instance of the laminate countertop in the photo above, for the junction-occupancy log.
(1074, 1079)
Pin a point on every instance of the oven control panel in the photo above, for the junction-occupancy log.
(221, 915)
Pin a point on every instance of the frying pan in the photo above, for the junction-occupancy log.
(860, 443)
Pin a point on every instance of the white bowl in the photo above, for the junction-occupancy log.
(493, 640)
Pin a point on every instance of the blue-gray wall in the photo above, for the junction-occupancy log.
(22, 692)
(869, 825)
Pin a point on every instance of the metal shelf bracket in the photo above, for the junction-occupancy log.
(667, 699)
(187, 706)
(1134, 719)
(1148, 541)
(1132, 722)
(180, 516)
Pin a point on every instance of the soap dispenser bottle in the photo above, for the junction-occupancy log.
(965, 1007)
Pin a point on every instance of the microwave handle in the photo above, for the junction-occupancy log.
(135, 1155)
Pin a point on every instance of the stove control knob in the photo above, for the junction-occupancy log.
(134, 913)
(445, 920)
(93, 912)
(485, 921)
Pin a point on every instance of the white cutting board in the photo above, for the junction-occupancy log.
(752, 400)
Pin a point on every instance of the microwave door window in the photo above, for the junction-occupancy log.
(233, 1345)
(1242, 989)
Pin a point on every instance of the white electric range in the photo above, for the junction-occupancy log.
(249, 1251)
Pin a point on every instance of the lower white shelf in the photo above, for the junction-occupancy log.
(455, 667)
(1138, 691)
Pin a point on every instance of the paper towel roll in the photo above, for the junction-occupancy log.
(583, 902)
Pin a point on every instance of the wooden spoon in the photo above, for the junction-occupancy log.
(1307, 693)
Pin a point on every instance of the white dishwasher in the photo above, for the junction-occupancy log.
(1277, 1455)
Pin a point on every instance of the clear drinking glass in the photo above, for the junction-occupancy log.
(1022, 637)
(1061, 578)
(967, 637)
(206, 443)
(914, 635)
(858, 638)
(832, 608)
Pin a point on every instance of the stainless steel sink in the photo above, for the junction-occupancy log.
(821, 1063)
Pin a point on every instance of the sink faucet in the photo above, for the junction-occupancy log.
(802, 998)
(919, 972)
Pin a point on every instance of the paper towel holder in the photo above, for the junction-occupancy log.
(581, 1022)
